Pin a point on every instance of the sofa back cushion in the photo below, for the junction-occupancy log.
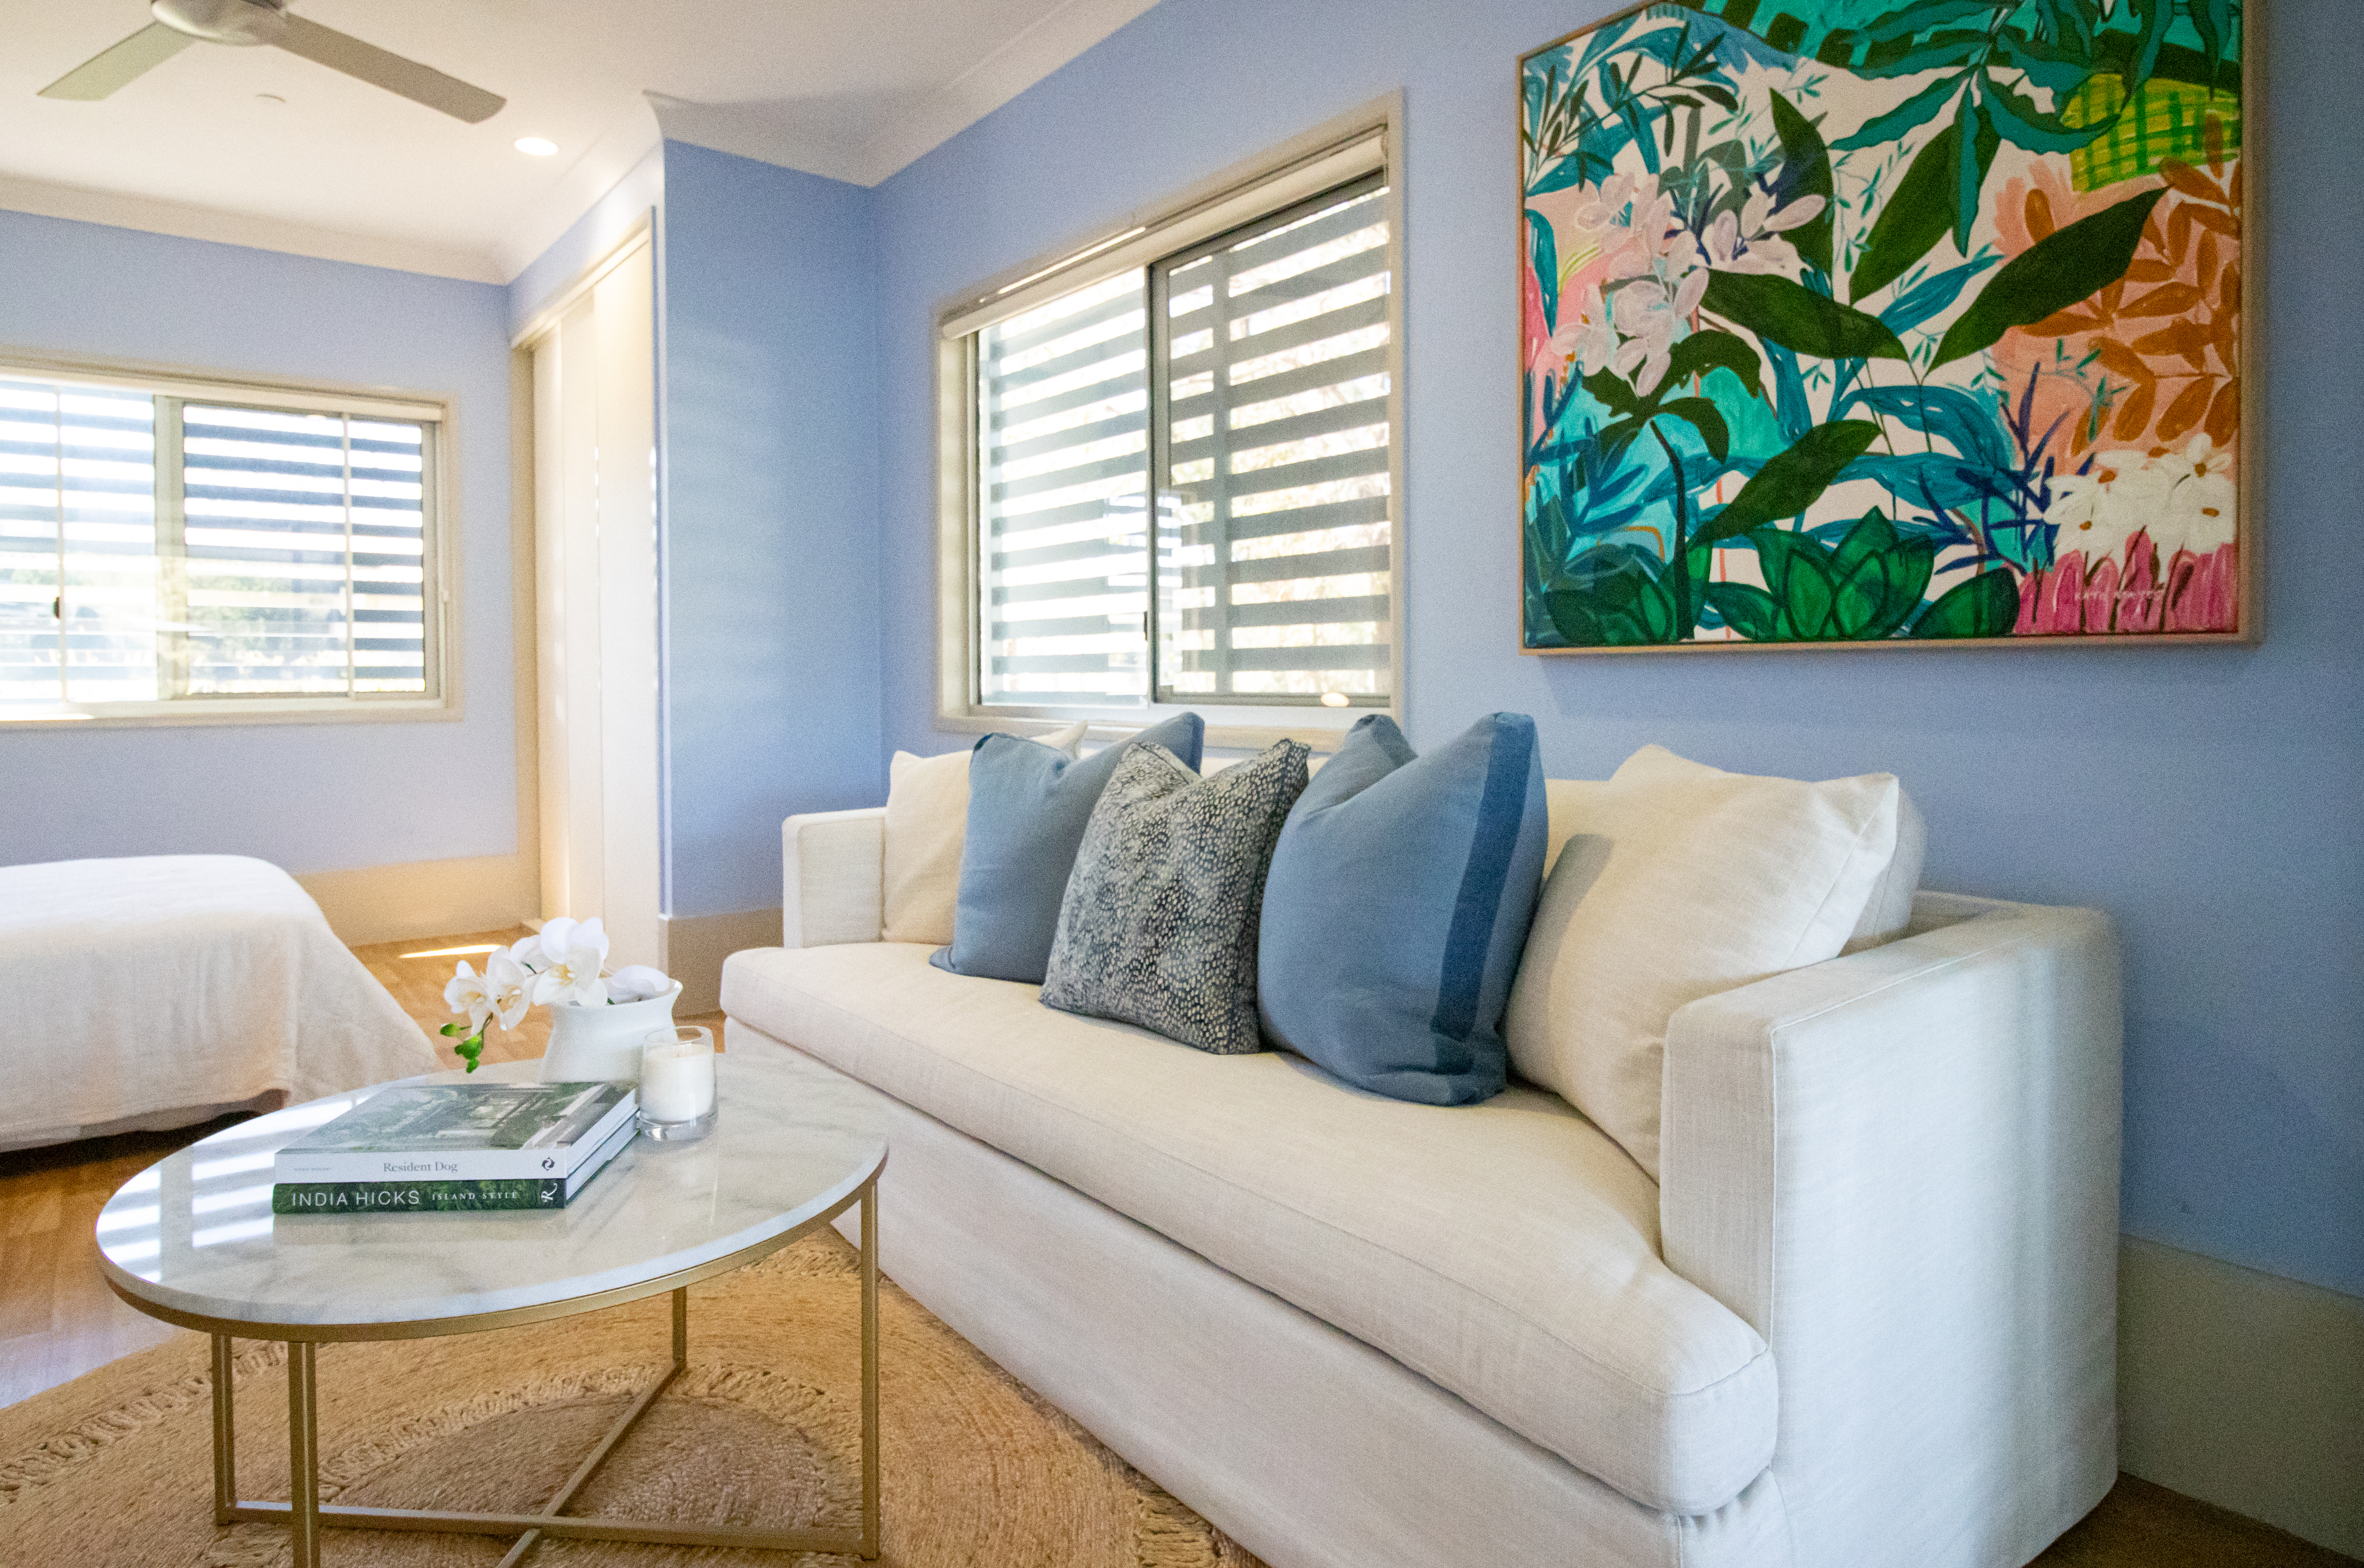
(1399, 898)
(1159, 924)
(1027, 809)
(1886, 914)
(927, 822)
(1673, 882)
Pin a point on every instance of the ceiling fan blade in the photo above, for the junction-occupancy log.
(342, 51)
(105, 71)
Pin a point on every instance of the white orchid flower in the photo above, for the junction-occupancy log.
(557, 933)
(572, 954)
(562, 936)
(508, 988)
(468, 993)
(638, 982)
(527, 952)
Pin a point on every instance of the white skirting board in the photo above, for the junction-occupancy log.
(2243, 1389)
(425, 898)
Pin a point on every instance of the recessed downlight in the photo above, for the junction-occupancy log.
(536, 146)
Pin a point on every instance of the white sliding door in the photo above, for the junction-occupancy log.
(595, 592)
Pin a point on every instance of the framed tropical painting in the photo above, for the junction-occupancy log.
(1884, 322)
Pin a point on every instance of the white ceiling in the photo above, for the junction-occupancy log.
(851, 89)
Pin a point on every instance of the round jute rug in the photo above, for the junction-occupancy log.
(115, 1467)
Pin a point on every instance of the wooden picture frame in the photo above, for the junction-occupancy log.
(1925, 325)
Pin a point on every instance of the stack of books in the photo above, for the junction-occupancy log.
(456, 1148)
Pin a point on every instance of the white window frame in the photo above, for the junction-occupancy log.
(1330, 154)
(440, 528)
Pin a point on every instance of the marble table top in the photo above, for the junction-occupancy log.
(194, 1234)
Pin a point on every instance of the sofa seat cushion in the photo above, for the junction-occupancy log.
(1507, 1251)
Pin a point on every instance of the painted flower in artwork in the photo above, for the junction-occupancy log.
(2200, 506)
(1750, 241)
(2099, 510)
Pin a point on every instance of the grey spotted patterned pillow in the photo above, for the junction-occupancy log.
(1159, 924)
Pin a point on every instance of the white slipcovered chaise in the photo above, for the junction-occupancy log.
(1867, 1321)
(157, 990)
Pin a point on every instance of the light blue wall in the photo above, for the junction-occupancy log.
(308, 797)
(771, 598)
(2211, 799)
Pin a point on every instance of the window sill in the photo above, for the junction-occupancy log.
(260, 710)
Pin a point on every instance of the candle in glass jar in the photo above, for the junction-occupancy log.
(677, 1079)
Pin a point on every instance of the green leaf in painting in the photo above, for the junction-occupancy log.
(1621, 610)
(2212, 20)
(1614, 393)
(1881, 576)
(1969, 170)
(2153, 18)
(1985, 605)
(1872, 537)
(1808, 595)
(1702, 416)
(1791, 481)
(1911, 115)
(1543, 253)
(2022, 124)
(1926, 16)
(1703, 352)
(1746, 609)
(2068, 265)
(1803, 149)
(1920, 210)
(1798, 318)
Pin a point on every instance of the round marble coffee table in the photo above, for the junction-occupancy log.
(192, 1241)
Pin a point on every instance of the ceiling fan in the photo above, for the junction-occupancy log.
(180, 23)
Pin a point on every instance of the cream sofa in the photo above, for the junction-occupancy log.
(1868, 1320)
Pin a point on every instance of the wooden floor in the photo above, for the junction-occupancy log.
(58, 1320)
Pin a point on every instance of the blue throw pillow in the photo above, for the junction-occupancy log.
(1028, 806)
(1399, 901)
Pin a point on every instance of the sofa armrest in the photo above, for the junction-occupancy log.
(1900, 1167)
(833, 877)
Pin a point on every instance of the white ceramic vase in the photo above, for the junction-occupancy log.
(591, 1043)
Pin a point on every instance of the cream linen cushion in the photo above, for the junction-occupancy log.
(1673, 881)
(927, 821)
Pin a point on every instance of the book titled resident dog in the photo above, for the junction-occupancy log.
(461, 1132)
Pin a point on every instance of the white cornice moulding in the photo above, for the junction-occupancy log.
(154, 216)
(992, 82)
(757, 131)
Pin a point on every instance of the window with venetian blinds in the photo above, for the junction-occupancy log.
(1243, 382)
(162, 548)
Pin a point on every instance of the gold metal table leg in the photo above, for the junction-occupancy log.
(870, 1542)
(304, 1453)
(225, 1435)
